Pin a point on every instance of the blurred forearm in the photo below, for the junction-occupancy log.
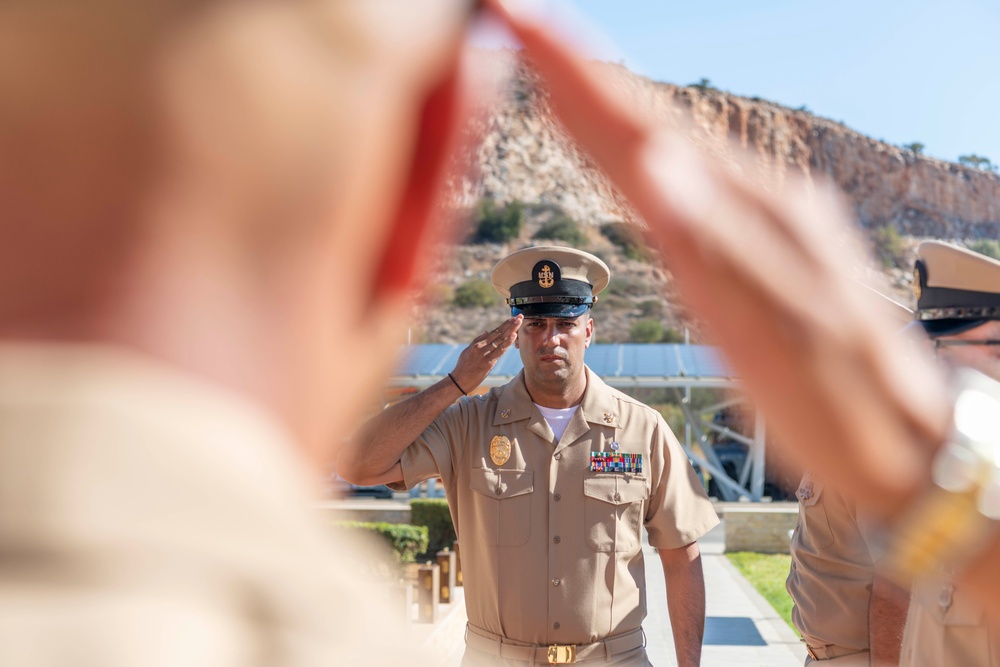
(372, 456)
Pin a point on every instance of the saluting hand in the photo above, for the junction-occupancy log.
(754, 263)
(476, 361)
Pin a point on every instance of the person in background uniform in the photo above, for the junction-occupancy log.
(847, 609)
(550, 479)
(958, 305)
(213, 215)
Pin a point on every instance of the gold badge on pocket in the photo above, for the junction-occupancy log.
(500, 449)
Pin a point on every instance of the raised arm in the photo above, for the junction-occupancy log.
(753, 263)
(372, 456)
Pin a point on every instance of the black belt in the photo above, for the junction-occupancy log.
(554, 654)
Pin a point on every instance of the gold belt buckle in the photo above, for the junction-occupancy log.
(562, 655)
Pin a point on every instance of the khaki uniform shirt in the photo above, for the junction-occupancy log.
(945, 627)
(832, 569)
(149, 519)
(552, 552)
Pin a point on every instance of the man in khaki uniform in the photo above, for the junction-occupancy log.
(847, 611)
(550, 479)
(958, 305)
(201, 268)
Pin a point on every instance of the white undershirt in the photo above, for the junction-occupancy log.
(558, 418)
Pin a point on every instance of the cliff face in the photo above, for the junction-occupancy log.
(525, 157)
(920, 196)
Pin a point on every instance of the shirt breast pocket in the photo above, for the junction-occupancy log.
(950, 607)
(503, 505)
(613, 511)
(814, 520)
(952, 620)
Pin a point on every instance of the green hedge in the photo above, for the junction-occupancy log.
(646, 331)
(889, 247)
(627, 237)
(476, 293)
(563, 228)
(498, 224)
(988, 247)
(406, 541)
(434, 514)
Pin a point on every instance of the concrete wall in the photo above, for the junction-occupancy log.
(761, 527)
(390, 511)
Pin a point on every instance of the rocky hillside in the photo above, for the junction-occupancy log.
(895, 194)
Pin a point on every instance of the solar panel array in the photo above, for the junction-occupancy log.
(630, 360)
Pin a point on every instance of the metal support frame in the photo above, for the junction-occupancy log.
(759, 438)
(729, 433)
(729, 489)
(752, 444)
(753, 468)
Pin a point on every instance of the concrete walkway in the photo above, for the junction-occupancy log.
(741, 628)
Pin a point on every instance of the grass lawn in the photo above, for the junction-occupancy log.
(767, 573)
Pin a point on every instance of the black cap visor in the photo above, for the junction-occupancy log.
(564, 311)
(565, 299)
(949, 327)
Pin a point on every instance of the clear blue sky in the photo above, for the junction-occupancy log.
(902, 71)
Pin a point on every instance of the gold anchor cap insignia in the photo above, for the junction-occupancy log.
(546, 278)
(608, 417)
(505, 413)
